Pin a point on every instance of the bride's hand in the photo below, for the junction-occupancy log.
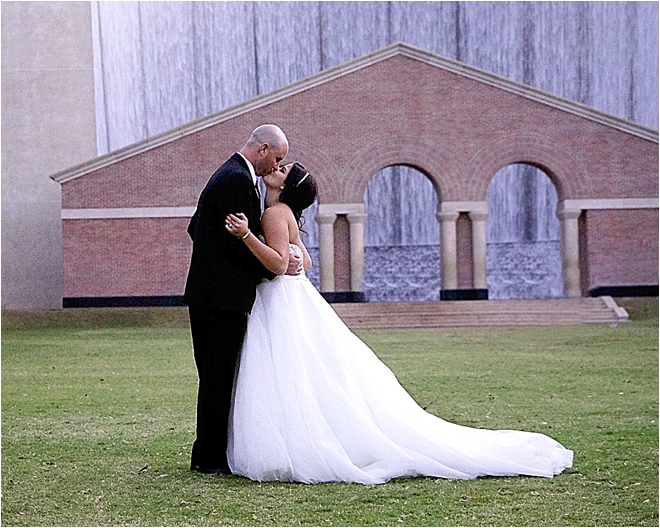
(237, 225)
(295, 266)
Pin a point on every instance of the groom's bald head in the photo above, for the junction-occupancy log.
(266, 147)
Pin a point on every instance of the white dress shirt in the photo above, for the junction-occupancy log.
(251, 169)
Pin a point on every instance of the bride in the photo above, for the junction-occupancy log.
(313, 403)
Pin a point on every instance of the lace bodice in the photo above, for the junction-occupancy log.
(296, 250)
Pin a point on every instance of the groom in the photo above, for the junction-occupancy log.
(221, 286)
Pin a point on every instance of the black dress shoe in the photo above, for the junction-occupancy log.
(208, 470)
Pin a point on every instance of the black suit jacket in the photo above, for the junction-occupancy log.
(223, 272)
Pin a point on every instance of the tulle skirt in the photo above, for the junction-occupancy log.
(313, 403)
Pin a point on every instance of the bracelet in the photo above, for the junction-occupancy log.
(245, 235)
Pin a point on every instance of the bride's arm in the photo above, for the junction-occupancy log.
(274, 254)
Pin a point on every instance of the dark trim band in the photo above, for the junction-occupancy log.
(625, 291)
(464, 295)
(122, 302)
(344, 297)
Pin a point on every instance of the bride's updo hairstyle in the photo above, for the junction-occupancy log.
(299, 191)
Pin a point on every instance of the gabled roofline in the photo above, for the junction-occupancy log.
(346, 68)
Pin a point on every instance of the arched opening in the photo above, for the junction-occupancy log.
(402, 236)
(524, 253)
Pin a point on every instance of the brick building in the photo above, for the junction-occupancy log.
(124, 215)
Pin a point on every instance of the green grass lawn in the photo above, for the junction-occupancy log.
(98, 414)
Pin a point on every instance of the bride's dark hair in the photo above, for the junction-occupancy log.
(299, 191)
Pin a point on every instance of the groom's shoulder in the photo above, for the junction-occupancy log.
(235, 164)
(229, 170)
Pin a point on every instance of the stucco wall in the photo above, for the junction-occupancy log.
(48, 124)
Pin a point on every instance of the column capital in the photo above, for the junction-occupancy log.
(341, 208)
(446, 216)
(567, 210)
(325, 218)
(568, 214)
(463, 207)
(478, 216)
(356, 218)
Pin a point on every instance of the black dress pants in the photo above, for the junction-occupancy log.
(217, 337)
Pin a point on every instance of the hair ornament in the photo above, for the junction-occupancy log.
(302, 179)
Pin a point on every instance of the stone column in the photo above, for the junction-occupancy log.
(479, 249)
(356, 222)
(570, 250)
(448, 256)
(326, 251)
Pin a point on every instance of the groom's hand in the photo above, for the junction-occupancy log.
(295, 263)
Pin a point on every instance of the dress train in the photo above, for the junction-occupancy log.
(313, 403)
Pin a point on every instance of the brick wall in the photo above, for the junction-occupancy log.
(125, 257)
(458, 131)
(622, 247)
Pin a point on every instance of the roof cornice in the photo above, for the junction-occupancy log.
(346, 68)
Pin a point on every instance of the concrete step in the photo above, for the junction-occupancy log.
(496, 313)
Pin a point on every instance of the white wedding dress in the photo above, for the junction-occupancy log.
(313, 403)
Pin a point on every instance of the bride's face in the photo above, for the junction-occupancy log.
(276, 179)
